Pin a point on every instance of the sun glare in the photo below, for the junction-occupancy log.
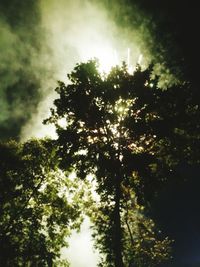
(107, 60)
(108, 57)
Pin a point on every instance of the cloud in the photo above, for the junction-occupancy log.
(18, 82)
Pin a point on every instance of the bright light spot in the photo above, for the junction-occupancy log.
(81, 252)
(107, 60)
(151, 85)
(81, 152)
(42, 131)
(136, 148)
(106, 55)
(122, 107)
(90, 177)
(62, 122)
(72, 175)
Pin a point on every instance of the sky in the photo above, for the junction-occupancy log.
(41, 41)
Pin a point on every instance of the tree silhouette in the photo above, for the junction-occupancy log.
(129, 134)
(35, 212)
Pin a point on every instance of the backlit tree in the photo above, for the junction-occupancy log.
(124, 131)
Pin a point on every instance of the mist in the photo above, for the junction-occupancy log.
(41, 41)
(74, 31)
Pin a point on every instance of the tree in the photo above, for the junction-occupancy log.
(129, 134)
(143, 244)
(38, 205)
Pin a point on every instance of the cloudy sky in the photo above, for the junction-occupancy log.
(41, 41)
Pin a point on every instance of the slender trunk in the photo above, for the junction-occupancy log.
(117, 233)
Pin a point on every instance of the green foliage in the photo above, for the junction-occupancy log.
(144, 245)
(130, 135)
(38, 205)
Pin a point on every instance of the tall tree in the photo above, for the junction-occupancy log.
(37, 208)
(126, 132)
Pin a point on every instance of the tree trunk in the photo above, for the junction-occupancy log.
(117, 233)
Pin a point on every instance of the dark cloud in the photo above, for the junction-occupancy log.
(174, 28)
(19, 40)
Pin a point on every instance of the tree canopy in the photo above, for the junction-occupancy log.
(127, 134)
(130, 135)
(38, 205)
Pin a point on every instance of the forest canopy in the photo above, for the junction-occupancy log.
(131, 136)
(126, 133)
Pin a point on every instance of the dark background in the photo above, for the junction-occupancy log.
(178, 205)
